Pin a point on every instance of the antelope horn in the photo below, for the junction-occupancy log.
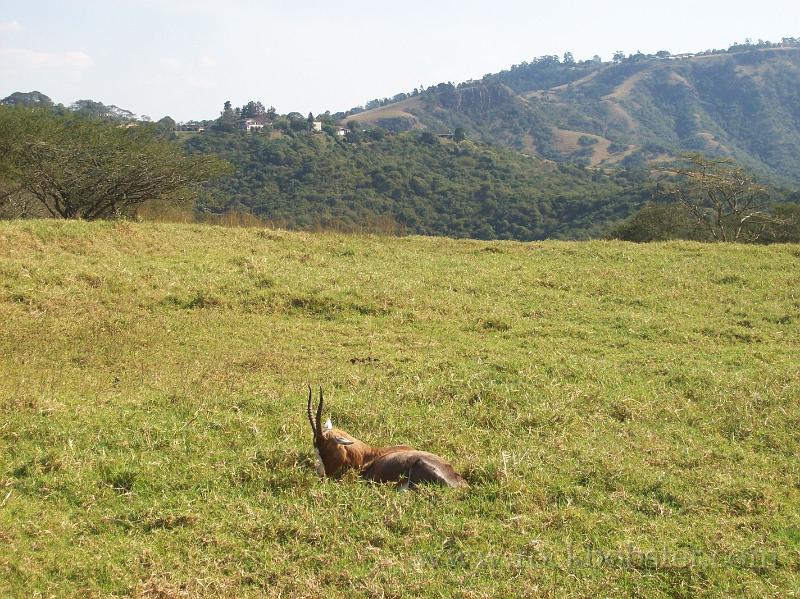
(319, 413)
(310, 417)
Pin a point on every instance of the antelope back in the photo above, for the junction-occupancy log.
(411, 467)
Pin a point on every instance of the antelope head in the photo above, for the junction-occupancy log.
(336, 450)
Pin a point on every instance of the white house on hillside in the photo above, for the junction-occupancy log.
(255, 123)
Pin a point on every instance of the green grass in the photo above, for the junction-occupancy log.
(627, 415)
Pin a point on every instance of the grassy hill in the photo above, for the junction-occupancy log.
(626, 415)
(743, 103)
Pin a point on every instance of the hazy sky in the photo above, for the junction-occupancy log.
(186, 57)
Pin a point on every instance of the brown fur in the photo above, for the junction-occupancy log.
(401, 464)
(397, 463)
(337, 458)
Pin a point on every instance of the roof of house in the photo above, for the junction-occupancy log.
(259, 119)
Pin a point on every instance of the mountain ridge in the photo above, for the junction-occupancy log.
(643, 109)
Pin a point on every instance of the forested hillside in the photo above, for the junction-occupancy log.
(414, 183)
(743, 102)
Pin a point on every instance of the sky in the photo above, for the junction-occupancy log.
(185, 58)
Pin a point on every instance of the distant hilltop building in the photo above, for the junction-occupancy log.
(256, 123)
(191, 126)
(317, 126)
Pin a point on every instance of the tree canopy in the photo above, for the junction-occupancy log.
(81, 167)
(416, 181)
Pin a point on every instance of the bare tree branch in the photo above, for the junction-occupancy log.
(724, 198)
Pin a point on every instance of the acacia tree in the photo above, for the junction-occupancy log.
(79, 167)
(723, 198)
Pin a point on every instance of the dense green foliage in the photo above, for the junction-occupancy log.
(660, 222)
(417, 182)
(626, 415)
(29, 99)
(86, 108)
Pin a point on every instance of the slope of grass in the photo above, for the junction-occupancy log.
(626, 415)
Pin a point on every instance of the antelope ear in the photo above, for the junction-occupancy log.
(328, 425)
(343, 441)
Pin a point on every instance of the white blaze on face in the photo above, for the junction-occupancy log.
(320, 468)
(328, 425)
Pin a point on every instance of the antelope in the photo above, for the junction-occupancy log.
(338, 452)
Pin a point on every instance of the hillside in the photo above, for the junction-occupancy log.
(414, 184)
(744, 103)
(626, 415)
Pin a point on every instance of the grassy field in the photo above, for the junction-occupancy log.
(627, 415)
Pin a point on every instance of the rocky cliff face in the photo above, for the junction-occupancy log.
(480, 98)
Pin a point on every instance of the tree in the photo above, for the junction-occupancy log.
(310, 121)
(657, 222)
(228, 119)
(429, 138)
(787, 229)
(80, 167)
(377, 133)
(27, 99)
(723, 198)
(619, 56)
(459, 134)
(166, 125)
(569, 58)
(252, 109)
(98, 110)
(297, 122)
